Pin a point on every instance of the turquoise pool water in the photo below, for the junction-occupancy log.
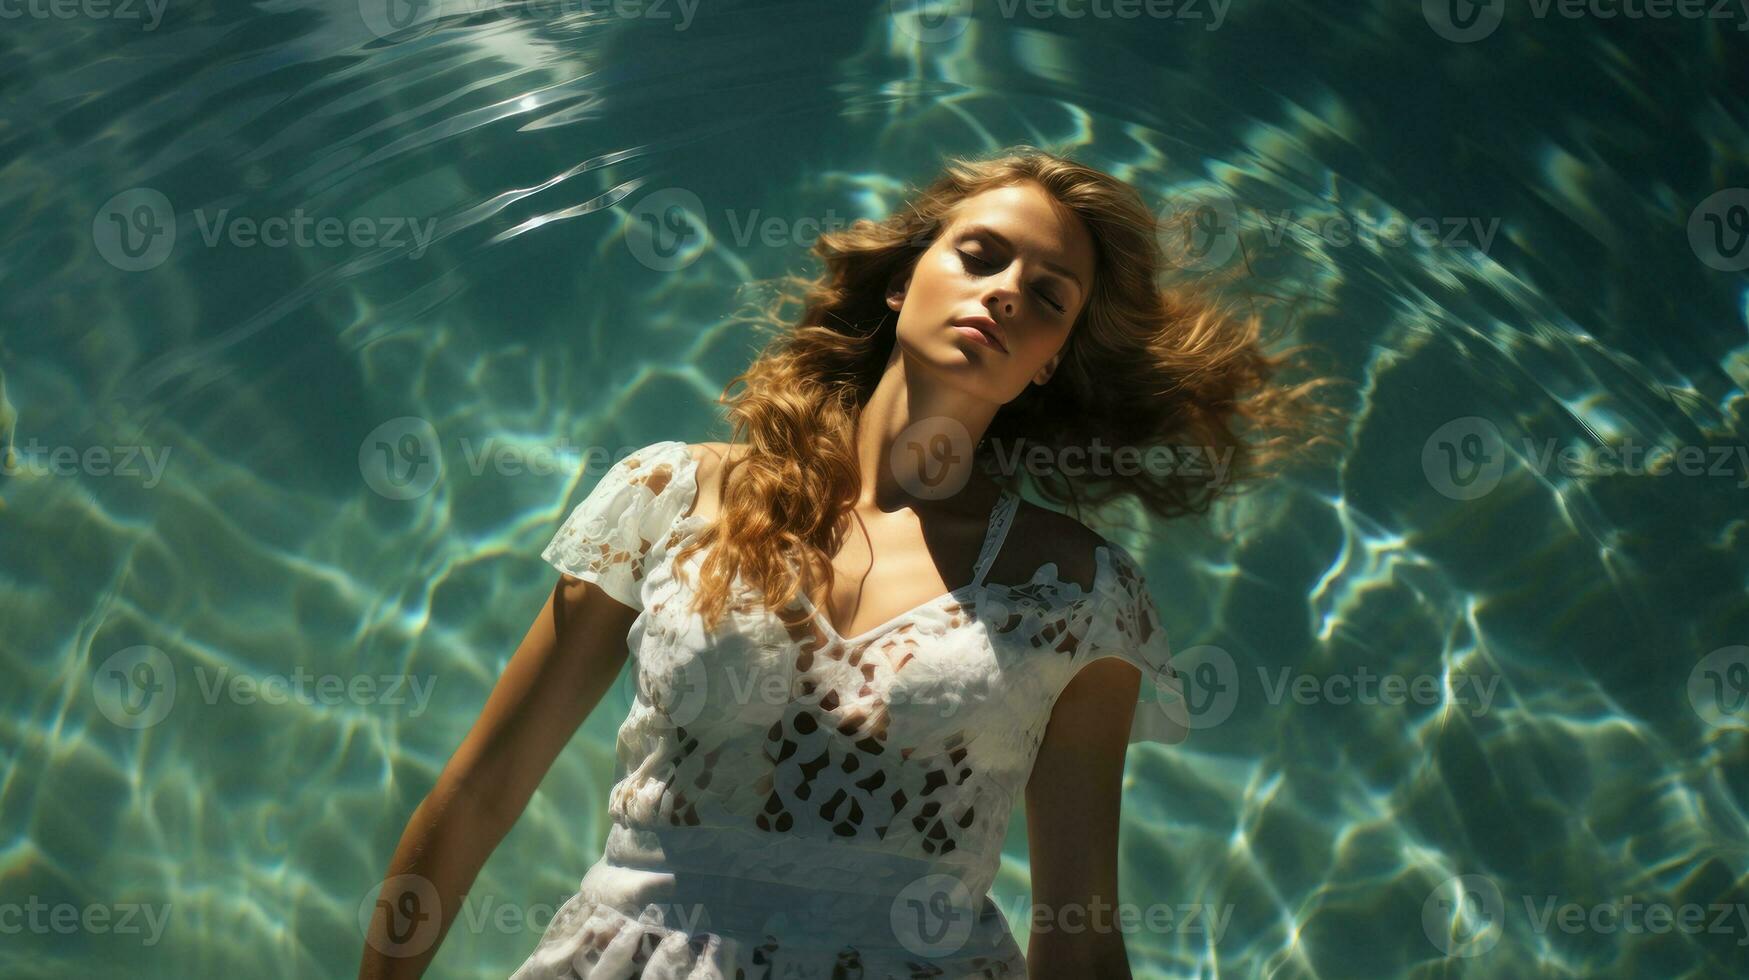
(310, 312)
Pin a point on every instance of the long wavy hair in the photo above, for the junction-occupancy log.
(1144, 366)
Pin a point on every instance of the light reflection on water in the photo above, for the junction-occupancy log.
(1578, 744)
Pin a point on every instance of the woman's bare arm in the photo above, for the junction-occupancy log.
(1073, 799)
(566, 662)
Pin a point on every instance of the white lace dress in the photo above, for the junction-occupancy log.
(791, 803)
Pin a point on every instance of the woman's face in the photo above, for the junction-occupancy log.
(1008, 254)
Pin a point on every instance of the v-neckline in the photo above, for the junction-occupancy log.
(995, 532)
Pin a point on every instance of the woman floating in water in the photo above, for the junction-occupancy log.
(856, 646)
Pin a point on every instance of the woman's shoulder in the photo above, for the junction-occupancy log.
(711, 454)
(710, 459)
(1040, 535)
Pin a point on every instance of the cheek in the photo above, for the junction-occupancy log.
(938, 274)
(1045, 341)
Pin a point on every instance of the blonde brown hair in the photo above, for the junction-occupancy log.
(1144, 366)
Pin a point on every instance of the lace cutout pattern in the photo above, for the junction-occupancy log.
(774, 751)
(608, 537)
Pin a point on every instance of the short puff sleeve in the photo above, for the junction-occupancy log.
(1126, 624)
(608, 537)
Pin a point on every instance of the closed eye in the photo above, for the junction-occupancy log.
(969, 259)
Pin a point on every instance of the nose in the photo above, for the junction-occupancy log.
(999, 296)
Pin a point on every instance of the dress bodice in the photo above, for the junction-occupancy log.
(786, 797)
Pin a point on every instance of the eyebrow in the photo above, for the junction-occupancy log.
(1002, 240)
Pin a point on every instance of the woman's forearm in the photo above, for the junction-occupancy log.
(1097, 954)
(567, 660)
(448, 839)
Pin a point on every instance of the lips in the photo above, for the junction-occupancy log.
(986, 326)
